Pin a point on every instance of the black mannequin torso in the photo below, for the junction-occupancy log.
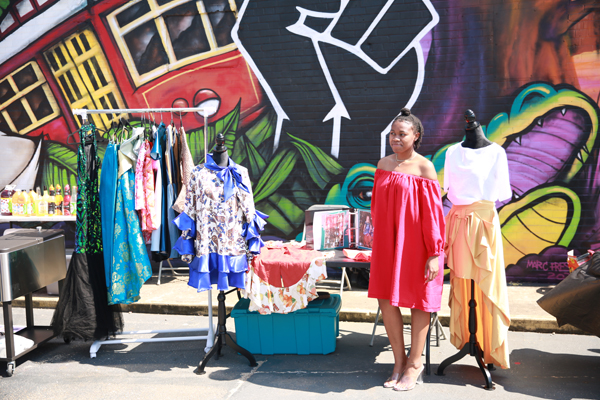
(219, 154)
(474, 136)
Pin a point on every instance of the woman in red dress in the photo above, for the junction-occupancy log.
(408, 240)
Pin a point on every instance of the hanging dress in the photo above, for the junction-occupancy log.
(108, 196)
(82, 311)
(187, 165)
(156, 155)
(130, 264)
(173, 231)
(144, 191)
(408, 223)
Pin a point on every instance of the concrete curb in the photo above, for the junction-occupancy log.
(518, 323)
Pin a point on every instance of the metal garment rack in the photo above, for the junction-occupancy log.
(210, 332)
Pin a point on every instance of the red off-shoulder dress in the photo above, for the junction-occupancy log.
(409, 228)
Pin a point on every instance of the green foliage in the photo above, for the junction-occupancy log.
(320, 166)
(271, 170)
(276, 173)
(59, 166)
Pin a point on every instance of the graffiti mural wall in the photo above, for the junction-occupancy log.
(305, 91)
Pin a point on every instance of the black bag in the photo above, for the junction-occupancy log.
(576, 300)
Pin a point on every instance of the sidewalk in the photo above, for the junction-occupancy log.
(174, 296)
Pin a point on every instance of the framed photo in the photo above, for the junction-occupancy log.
(330, 229)
(364, 227)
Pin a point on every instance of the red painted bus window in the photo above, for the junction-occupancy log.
(6, 91)
(38, 101)
(132, 13)
(158, 38)
(146, 47)
(25, 9)
(25, 77)
(8, 23)
(222, 20)
(186, 31)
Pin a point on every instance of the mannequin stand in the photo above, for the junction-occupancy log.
(223, 338)
(472, 347)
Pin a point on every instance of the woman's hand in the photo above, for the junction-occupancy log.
(432, 268)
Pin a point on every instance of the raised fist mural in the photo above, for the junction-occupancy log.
(336, 71)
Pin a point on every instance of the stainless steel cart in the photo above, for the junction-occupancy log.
(30, 259)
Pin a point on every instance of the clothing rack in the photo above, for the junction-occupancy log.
(210, 333)
(206, 111)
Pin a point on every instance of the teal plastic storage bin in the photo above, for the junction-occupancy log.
(312, 330)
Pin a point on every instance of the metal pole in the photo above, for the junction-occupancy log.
(84, 111)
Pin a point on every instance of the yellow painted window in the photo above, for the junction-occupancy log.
(26, 101)
(83, 74)
(157, 36)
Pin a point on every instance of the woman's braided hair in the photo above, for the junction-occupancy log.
(406, 116)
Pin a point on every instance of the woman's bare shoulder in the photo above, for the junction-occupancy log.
(386, 163)
(427, 168)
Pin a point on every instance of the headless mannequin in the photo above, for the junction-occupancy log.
(474, 139)
(474, 136)
(221, 158)
(219, 153)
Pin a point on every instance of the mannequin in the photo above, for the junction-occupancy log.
(474, 136)
(216, 238)
(475, 177)
(219, 153)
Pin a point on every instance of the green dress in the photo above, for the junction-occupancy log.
(82, 311)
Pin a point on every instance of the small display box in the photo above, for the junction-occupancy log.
(312, 330)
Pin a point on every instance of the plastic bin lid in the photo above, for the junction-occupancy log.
(332, 305)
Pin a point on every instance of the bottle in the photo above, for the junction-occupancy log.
(17, 206)
(27, 204)
(34, 202)
(38, 203)
(74, 201)
(59, 201)
(51, 203)
(67, 201)
(44, 204)
(6, 200)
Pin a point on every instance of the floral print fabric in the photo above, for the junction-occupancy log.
(219, 223)
(267, 299)
(144, 191)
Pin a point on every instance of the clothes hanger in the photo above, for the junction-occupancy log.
(144, 126)
(73, 137)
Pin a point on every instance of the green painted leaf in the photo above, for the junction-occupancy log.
(283, 214)
(238, 154)
(195, 140)
(262, 130)
(59, 166)
(228, 126)
(320, 166)
(275, 174)
(255, 163)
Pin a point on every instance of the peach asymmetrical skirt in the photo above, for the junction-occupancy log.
(474, 250)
